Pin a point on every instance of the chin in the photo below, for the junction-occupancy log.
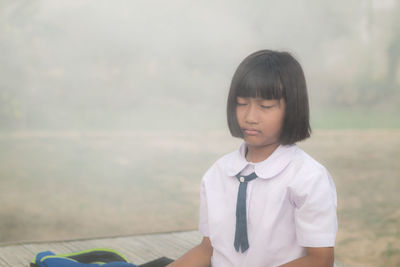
(258, 143)
(253, 143)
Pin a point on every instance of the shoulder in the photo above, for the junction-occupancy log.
(306, 166)
(309, 174)
(227, 160)
(223, 163)
(309, 177)
(221, 167)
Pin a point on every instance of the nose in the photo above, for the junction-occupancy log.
(251, 114)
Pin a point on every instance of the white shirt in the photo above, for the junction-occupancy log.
(290, 206)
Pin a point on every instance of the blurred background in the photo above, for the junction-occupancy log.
(111, 111)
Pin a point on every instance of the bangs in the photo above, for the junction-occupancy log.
(261, 81)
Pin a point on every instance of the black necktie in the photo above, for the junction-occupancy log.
(241, 240)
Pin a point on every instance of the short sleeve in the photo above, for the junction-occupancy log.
(315, 213)
(203, 213)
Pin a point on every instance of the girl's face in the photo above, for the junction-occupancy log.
(260, 120)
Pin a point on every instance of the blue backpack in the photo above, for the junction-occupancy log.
(87, 258)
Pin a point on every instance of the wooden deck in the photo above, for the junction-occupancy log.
(138, 249)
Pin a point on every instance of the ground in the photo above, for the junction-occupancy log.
(67, 185)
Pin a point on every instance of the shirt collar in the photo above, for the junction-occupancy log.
(266, 169)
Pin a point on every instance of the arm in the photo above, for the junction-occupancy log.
(199, 256)
(316, 257)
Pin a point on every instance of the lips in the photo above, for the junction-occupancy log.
(250, 131)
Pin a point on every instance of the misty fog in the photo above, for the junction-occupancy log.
(134, 64)
(111, 111)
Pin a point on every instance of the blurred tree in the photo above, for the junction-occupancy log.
(382, 89)
(14, 15)
(63, 60)
(393, 53)
(368, 74)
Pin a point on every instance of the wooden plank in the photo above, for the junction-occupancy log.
(138, 249)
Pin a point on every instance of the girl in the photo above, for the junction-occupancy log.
(268, 203)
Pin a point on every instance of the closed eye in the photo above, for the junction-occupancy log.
(266, 107)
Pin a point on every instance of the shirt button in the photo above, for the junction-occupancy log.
(241, 179)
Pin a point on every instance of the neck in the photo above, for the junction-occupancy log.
(260, 153)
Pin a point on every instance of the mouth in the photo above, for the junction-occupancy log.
(250, 131)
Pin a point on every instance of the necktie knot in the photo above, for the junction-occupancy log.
(248, 178)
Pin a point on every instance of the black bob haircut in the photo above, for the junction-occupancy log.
(272, 75)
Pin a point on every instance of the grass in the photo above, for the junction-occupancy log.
(355, 118)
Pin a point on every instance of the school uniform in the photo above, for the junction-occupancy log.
(289, 206)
